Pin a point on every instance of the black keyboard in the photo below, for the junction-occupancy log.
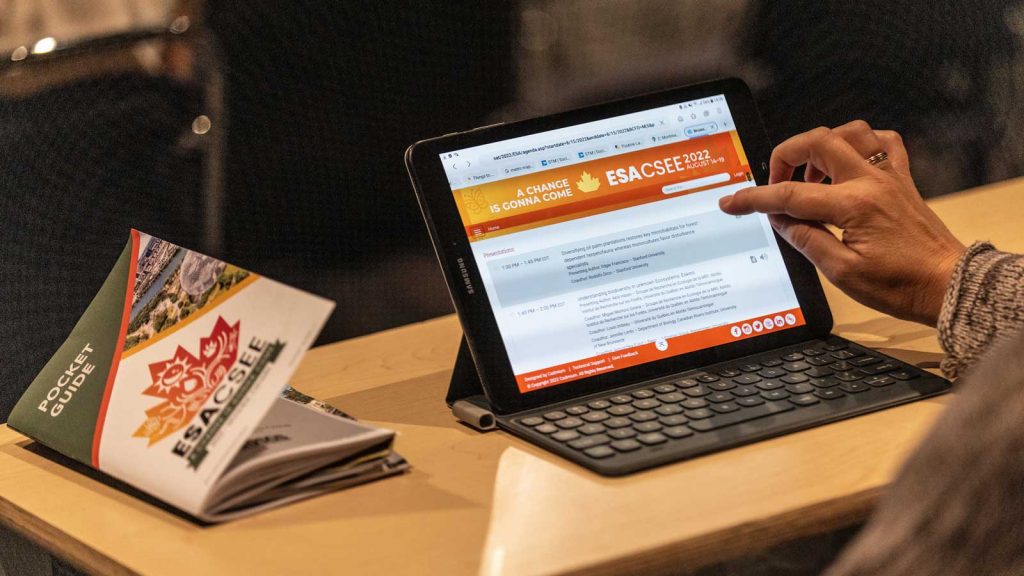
(724, 405)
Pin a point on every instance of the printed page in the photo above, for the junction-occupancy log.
(293, 439)
(171, 368)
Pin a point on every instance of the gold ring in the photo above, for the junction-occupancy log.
(878, 158)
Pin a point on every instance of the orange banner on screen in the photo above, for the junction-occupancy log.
(659, 350)
(602, 185)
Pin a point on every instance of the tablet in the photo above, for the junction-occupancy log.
(585, 250)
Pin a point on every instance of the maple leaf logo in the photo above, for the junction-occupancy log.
(588, 183)
(185, 382)
(474, 200)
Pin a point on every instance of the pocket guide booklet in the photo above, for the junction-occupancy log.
(175, 381)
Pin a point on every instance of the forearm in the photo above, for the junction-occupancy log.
(984, 303)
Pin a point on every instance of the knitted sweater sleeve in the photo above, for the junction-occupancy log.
(984, 304)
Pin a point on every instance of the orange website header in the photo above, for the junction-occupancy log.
(659, 350)
(598, 186)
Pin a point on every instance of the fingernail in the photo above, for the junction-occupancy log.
(724, 201)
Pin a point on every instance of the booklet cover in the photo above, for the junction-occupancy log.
(172, 381)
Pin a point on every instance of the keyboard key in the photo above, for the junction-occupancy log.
(599, 404)
(719, 397)
(673, 398)
(568, 423)
(565, 435)
(819, 360)
(677, 432)
(722, 385)
(880, 368)
(599, 452)
(620, 433)
(804, 400)
(817, 372)
(854, 387)
(725, 407)
(865, 361)
(772, 372)
(686, 382)
(617, 422)
(904, 375)
(621, 399)
(833, 346)
(750, 401)
(664, 388)
(829, 394)
(771, 363)
(652, 438)
(770, 385)
(694, 403)
(775, 395)
(595, 417)
(706, 378)
(741, 391)
(589, 429)
(753, 413)
(625, 445)
(641, 394)
(669, 410)
(845, 354)
(674, 420)
(546, 428)
(747, 379)
(848, 376)
(646, 404)
(824, 382)
(793, 357)
(699, 413)
(576, 410)
(750, 367)
(556, 415)
(621, 410)
(803, 388)
(642, 416)
(796, 366)
(750, 378)
(794, 378)
(532, 421)
(590, 441)
(652, 426)
(879, 381)
(812, 352)
(696, 391)
(842, 366)
(728, 373)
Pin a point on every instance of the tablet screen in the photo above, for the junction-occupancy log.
(601, 245)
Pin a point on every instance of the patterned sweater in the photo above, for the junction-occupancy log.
(957, 506)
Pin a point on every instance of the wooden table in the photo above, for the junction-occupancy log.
(491, 504)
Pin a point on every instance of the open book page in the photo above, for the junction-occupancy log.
(331, 478)
(170, 370)
(291, 441)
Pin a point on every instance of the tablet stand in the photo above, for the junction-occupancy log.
(465, 393)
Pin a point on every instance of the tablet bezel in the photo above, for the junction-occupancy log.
(447, 232)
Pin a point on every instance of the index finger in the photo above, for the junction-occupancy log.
(801, 200)
(821, 148)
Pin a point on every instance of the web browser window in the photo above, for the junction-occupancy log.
(601, 246)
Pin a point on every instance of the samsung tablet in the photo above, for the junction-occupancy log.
(586, 251)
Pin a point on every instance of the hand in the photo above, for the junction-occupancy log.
(894, 254)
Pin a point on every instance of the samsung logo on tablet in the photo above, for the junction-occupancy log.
(465, 276)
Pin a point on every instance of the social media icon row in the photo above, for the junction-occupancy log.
(758, 326)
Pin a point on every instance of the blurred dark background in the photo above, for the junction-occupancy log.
(271, 134)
